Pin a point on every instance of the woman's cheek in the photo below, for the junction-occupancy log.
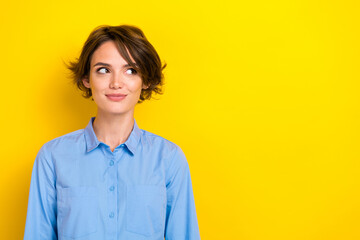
(136, 85)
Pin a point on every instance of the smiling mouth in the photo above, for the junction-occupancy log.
(116, 97)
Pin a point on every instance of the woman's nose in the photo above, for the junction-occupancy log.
(116, 81)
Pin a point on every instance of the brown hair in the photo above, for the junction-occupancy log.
(127, 38)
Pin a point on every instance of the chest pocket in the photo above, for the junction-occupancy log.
(145, 209)
(77, 211)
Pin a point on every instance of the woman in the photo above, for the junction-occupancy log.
(113, 180)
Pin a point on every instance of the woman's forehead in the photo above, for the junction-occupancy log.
(108, 52)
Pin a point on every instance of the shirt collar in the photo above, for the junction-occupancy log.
(92, 142)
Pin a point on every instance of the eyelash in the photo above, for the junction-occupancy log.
(132, 69)
(98, 70)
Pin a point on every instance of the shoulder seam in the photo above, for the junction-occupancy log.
(76, 132)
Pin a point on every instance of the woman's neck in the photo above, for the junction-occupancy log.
(113, 130)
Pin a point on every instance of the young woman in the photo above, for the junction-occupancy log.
(113, 180)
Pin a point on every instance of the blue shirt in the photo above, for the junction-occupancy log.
(80, 189)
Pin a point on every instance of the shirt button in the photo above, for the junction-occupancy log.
(111, 215)
(112, 188)
(111, 163)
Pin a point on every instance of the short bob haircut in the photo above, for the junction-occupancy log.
(128, 39)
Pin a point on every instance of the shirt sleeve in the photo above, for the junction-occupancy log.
(42, 210)
(181, 220)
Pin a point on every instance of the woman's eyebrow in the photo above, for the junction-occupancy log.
(108, 65)
(128, 65)
(102, 64)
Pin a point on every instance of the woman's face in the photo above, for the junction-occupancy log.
(115, 85)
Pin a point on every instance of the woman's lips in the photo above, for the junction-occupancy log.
(116, 97)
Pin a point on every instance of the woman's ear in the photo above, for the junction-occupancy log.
(86, 82)
(145, 86)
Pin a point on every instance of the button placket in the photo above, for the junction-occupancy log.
(111, 189)
(112, 186)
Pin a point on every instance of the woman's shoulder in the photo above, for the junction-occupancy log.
(67, 143)
(170, 152)
(68, 139)
(152, 138)
(163, 144)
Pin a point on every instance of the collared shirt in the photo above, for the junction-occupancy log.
(80, 189)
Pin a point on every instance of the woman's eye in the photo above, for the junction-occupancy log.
(131, 71)
(102, 70)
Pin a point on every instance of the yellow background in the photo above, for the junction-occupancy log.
(262, 96)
